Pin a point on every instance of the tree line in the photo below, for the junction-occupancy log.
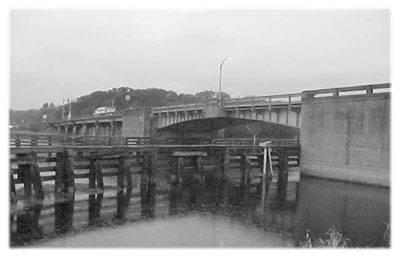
(122, 98)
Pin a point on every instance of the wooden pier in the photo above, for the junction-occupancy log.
(33, 165)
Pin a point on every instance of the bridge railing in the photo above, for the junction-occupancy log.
(178, 108)
(344, 91)
(268, 101)
(87, 117)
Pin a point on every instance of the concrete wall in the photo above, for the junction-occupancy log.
(347, 138)
(136, 122)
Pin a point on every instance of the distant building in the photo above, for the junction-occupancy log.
(104, 111)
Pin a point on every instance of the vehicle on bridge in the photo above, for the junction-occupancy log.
(104, 111)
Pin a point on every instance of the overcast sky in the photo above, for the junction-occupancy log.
(59, 54)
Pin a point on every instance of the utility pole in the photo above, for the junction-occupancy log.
(69, 112)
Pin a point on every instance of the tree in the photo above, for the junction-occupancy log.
(46, 105)
(209, 95)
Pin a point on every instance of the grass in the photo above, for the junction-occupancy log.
(334, 239)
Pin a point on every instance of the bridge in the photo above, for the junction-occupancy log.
(344, 132)
(279, 109)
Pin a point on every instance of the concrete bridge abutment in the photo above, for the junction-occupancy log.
(346, 137)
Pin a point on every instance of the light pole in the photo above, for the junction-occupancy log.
(220, 79)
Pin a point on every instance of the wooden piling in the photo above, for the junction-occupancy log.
(127, 171)
(17, 141)
(153, 162)
(145, 157)
(121, 173)
(179, 170)
(70, 175)
(92, 172)
(13, 196)
(24, 173)
(36, 179)
(99, 174)
(283, 174)
(200, 169)
(243, 166)
(60, 165)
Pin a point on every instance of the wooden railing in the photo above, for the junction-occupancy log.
(33, 140)
(255, 142)
(30, 140)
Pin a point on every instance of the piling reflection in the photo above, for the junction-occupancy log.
(123, 199)
(94, 209)
(269, 204)
(63, 216)
(27, 225)
(148, 199)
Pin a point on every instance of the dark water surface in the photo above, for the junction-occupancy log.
(210, 214)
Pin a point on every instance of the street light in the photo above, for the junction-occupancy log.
(220, 79)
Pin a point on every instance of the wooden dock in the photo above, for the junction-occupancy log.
(33, 165)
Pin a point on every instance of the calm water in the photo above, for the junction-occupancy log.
(210, 214)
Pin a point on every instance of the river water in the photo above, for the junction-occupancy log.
(215, 213)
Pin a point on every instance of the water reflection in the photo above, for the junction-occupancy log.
(94, 209)
(270, 206)
(27, 224)
(148, 199)
(63, 216)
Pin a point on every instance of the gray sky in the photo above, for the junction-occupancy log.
(56, 54)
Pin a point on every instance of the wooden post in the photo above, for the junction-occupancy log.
(265, 162)
(36, 179)
(271, 172)
(17, 141)
(70, 176)
(13, 196)
(34, 140)
(243, 165)
(200, 168)
(60, 165)
(179, 170)
(121, 173)
(128, 175)
(24, 172)
(153, 160)
(283, 174)
(145, 163)
(99, 174)
(92, 172)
